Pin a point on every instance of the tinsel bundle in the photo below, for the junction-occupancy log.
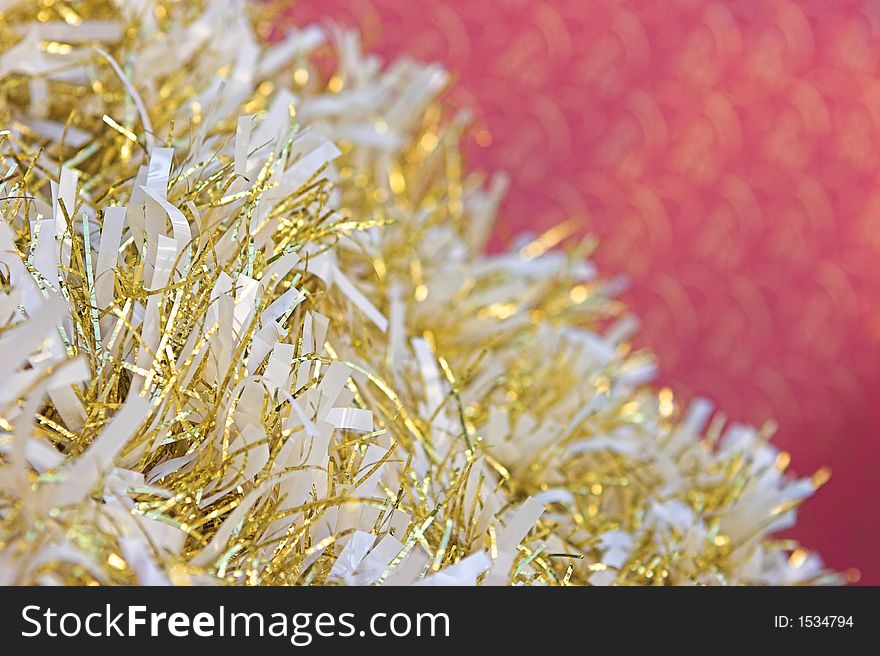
(249, 335)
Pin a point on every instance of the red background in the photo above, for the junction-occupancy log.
(726, 153)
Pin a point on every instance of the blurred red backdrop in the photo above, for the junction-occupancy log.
(728, 156)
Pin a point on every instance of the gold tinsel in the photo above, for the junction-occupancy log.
(249, 335)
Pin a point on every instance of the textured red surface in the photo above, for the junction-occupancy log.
(727, 154)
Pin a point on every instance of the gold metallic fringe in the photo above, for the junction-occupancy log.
(509, 436)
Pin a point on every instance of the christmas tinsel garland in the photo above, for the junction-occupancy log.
(250, 334)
